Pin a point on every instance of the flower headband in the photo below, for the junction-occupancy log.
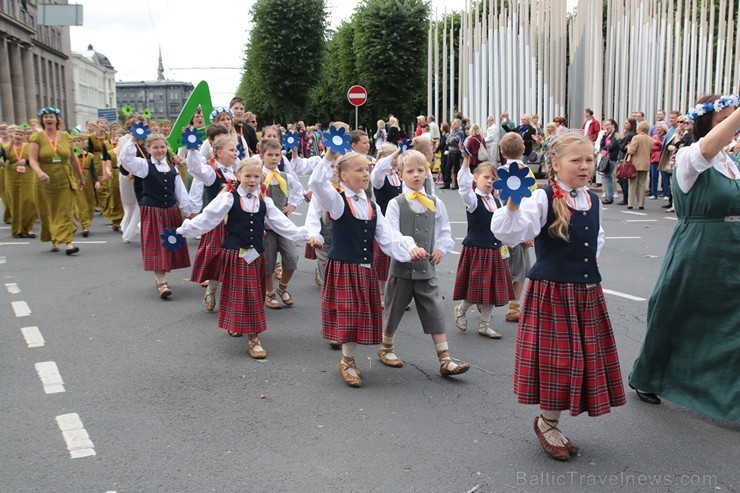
(723, 102)
(49, 110)
(218, 111)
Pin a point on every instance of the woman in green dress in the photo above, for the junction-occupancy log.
(53, 160)
(691, 352)
(19, 185)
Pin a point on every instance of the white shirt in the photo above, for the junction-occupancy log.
(391, 242)
(138, 166)
(301, 166)
(434, 130)
(690, 163)
(442, 232)
(470, 196)
(384, 167)
(492, 134)
(295, 189)
(215, 212)
(517, 227)
(200, 169)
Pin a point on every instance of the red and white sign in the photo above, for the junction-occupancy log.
(357, 95)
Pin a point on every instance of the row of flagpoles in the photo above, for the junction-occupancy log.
(511, 56)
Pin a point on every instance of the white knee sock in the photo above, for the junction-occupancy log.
(388, 342)
(465, 306)
(553, 436)
(212, 286)
(485, 315)
(348, 349)
(159, 276)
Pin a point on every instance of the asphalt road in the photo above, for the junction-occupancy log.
(170, 403)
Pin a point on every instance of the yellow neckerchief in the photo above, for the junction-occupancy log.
(281, 181)
(423, 200)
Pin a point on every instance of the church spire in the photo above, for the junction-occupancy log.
(160, 68)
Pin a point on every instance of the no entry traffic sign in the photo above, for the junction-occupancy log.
(357, 95)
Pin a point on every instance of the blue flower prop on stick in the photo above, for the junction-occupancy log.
(404, 146)
(192, 138)
(241, 152)
(337, 141)
(140, 130)
(514, 183)
(171, 240)
(292, 140)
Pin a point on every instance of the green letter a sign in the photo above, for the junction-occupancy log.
(201, 96)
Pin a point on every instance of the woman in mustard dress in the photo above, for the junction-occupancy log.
(19, 185)
(113, 209)
(52, 159)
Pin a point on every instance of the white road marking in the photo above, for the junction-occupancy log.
(623, 295)
(455, 252)
(90, 242)
(21, 308)
(15, 243)
(458, 222)
(295, 213)
(4, 227)
(33, 336)
(460, 239)
(2, 260)
(634, 213)
(77, 440)
(671, 218)
(641, 221)
(50, 377)
(623, 237)
(12, 287)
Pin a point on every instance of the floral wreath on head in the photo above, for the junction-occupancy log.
(49, 110)
(725, 101)
(217, 111)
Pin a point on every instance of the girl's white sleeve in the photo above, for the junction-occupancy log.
(212, 216)
(514, 228)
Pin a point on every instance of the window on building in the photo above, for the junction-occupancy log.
(174, 108)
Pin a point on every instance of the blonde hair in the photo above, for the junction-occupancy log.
(386, 150)
(154, 138)
(558, 149)
(643, 127)
(343, 164)
(511, 145)
(474, 129)
(221, 142)
(526, 116)
(381, 124)
(486, 165)
(247, 162)
(422, 144)
(411, 157)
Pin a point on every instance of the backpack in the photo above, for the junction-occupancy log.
(483, 153)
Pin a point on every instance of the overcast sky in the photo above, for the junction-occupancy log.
(130, 33)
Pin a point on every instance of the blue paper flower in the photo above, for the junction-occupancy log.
(404, 146)
(241, 151)
(171, 240)
(192, 138)
(337, 141)
(291, 140)
(140, 130)
(514, 183)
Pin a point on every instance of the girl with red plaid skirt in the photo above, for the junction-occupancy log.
(566, 357)
(164, 203)
(214, 175)
(242, 261)
(350, 302)
(483, 275)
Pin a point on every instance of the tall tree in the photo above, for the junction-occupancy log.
(283, 57)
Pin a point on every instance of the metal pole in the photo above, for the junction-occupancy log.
(357, 108)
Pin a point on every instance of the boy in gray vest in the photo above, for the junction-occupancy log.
(424, 218)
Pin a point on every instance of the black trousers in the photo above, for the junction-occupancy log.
(454, 159)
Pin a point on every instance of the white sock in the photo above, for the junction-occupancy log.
(465, 306)
(388, 340)
(445, 360)
(485, 314)
(553, 436)
(348, 349)
(159, 276)
(212, 286)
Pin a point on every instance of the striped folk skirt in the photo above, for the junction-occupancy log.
(566, 357)
(483, 277)
(350, 304)
(157, 258)
(242, 302)
(207, 261)
(381, 262)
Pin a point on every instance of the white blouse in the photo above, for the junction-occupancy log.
(442, 231)
(690, 163)
(470, 196)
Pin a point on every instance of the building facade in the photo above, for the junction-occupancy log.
(165, 98)
(94, 85)
(35, 66)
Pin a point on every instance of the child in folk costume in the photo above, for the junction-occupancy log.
(219, 171)
(19, 185)
(512, 148)
(163, 204)
(424, 218)
(386, 185)
(197, 192)
(287, 193)
(242, 253)
(114, 207)
(361, 144)
(566, 357)
(85, 198)
(483, 276)
(350, 302)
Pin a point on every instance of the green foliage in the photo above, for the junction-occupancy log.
(283, 57)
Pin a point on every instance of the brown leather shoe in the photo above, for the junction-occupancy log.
(209, 301)
(558, 452)
(335, 345)
(445, 362)
(383, 352)
(256, 350)
(285, 297)
(272, 302)
(513, 314)
(571, 446)
(164, 290)
(349, 372)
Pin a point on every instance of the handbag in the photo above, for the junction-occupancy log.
(604, 164)
(483, 153)
(626, 170)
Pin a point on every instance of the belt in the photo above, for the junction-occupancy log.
(720, 219)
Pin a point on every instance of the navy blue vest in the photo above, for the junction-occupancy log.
(352, 238)
(245, 229)
(384, 194)
(569, 261)
(215, 188)
(479, 227)
(159, 188)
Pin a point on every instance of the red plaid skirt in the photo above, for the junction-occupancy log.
(241, 307)
(310, 252)
(350, 304)
(381, 262)
(483, 277)
(157, 258)
(566, 357)
(207, 262)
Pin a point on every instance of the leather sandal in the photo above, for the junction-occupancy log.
(571, 446)
(383, 353)
(559, 452)
(460, 321)
(285, 297)
(209, 301)
(256, 350)
(335, 344)
(234, 334)
(271, 301)
(446, 362)
(349, 372)
(316, 277)
(489, 332)
(164, 290)
(513, 314)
